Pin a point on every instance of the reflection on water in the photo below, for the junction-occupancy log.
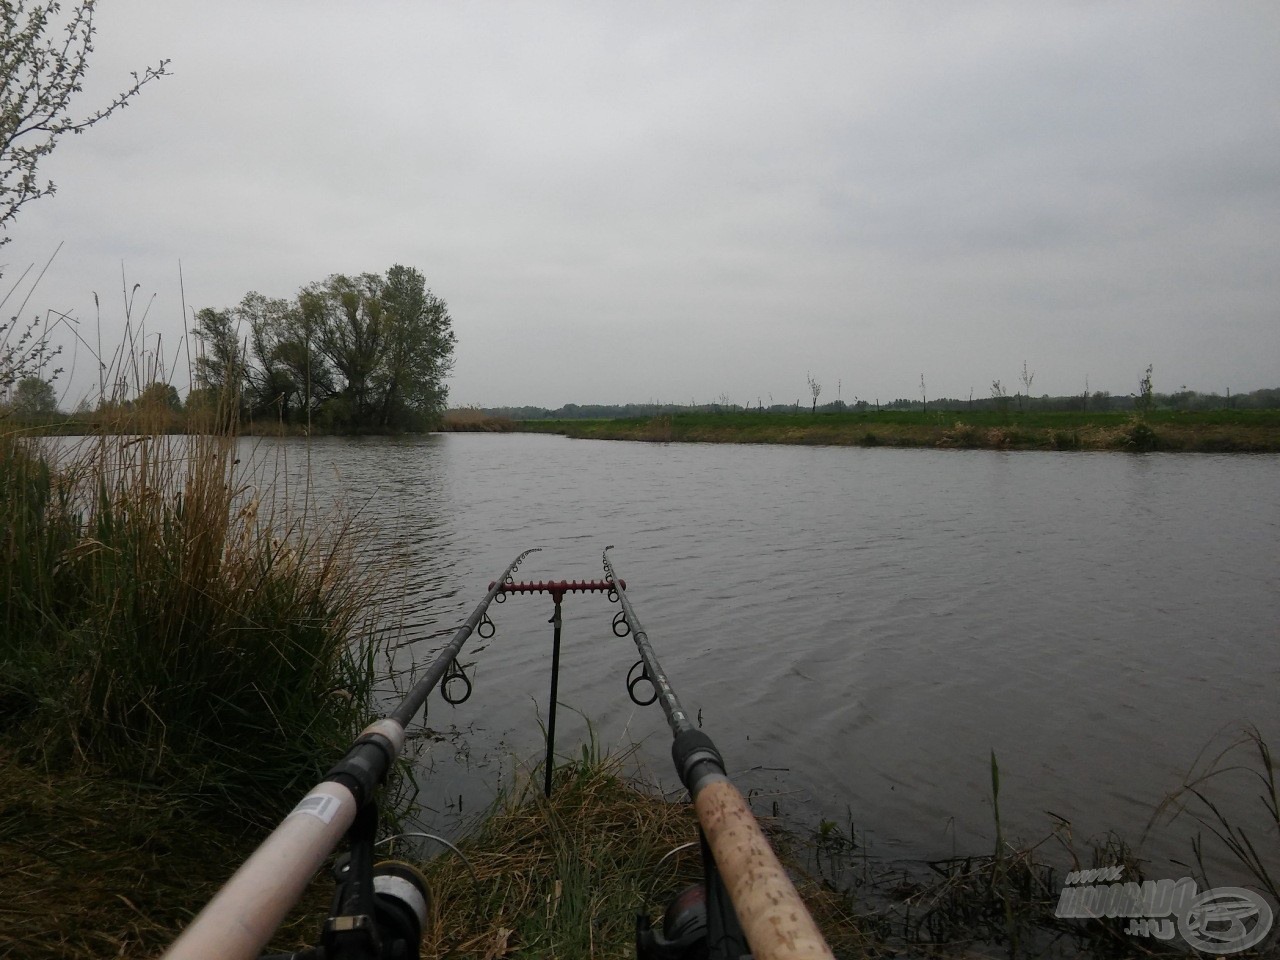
(860, 628)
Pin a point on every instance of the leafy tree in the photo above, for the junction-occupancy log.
(272, 326)
(1267, 398)
(1145, 399)
(350, 319)
(219, 360)
(1000, 396)
(34, 397)
(361, 352)
(160, 395)
(418, 351)
(285, 337)
(44, 56)
(25, 355)
(220, 369)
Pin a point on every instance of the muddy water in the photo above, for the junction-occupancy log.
(859, 629)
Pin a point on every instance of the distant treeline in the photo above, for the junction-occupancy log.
(1099, 401)
(362, 354)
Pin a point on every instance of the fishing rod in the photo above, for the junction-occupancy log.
(738, 864)
(379, 911)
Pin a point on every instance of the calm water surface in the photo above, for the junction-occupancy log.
(859, 628)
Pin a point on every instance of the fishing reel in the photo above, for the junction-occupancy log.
(684, 928)
(380, 911)
(700, 922)
(401, 913)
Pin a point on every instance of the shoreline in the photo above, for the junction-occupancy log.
(560, 876)
(1216, 431)
(1225, 431)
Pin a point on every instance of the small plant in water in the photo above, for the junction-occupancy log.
(1257, 851)
(829, 838)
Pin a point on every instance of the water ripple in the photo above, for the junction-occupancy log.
(874, 621)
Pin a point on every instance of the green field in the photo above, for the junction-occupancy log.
(1212, 431)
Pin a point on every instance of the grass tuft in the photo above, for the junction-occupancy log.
(566, 876)
(563, 876)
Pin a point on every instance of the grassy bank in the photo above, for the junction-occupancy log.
(565, 876)
(100, 865)
(475, 421)
(1207, 431)
(117, 869)
(178, 664)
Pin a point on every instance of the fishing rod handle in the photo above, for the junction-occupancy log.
(238, 922)
(774, 918)
(242, 917)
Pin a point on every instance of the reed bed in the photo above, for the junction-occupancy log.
(179, 662)
(470, 420)
(159, 620)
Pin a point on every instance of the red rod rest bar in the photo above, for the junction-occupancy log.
(558, 588)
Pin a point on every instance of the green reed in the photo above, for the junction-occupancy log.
(162, 622)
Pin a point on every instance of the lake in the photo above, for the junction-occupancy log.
(858, 628)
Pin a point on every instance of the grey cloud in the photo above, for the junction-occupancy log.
(721, 196)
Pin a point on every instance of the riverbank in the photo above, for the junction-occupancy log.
(97, 866)
(114, 831)
(468, 420)
(1217, 431)
(100, 865)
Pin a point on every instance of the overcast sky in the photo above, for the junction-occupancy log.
(672, 201)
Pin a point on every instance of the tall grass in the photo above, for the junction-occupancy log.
(161, 622)
(179, 659)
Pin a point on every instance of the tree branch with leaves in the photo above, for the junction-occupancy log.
(44, 56)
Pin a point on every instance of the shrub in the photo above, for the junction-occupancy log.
(1141, 437)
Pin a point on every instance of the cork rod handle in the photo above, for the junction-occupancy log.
(774, 918)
